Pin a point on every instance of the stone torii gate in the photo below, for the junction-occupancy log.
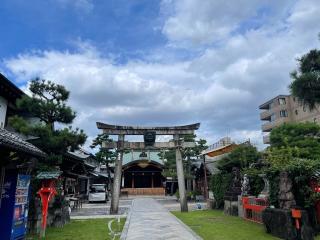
(149, 143)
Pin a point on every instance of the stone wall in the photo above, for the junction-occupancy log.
(280, 223)
(231, 207)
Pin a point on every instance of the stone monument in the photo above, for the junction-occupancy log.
(231, 195)
(266, 189)
(245, 188)
(286, 197)
(279, 222)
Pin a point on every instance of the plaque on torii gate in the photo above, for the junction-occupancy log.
(149, 143)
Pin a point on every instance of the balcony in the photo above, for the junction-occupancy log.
(266, 139)
(265, 115)
(267, 127)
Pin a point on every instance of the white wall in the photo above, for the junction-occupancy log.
(3, 111)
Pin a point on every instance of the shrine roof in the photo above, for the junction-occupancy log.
(83, 157)
(15, 142)
(49, 175)
(135, 156)
(79, 154)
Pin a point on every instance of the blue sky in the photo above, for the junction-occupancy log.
(115, 27)
(165, 62)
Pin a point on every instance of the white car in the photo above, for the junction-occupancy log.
(98, 193)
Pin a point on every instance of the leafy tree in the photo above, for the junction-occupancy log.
(170, 169)
(188, 154)
(170, 163)
(103, 155)
(295, 148)
(301, 171)
(281, 156)
(295, 140)
(242, 156)
(48, 104)
(219, 184)
(306, 80)
(200, 145)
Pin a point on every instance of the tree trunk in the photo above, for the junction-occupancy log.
(117, 178)
(171, 188)
(205, 178)
(180, 174)
(189, 185)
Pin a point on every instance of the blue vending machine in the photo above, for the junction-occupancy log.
(14, 206)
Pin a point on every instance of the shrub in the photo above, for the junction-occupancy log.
(220, 183)
(256, 182)
(300, 171)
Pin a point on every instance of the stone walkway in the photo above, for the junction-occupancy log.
(149, 220)
(100, 210)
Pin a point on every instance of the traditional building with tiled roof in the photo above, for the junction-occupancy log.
(142, 173)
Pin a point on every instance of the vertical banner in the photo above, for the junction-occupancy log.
(20, 214)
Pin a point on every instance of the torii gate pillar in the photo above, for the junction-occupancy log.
(180, 174)
(117, 177)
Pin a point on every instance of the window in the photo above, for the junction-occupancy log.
(271, 105)
(296, 111)
(304, 108)
(282, 101)
(283, 113)
(273, 117)
(294, 99)
(98, 188)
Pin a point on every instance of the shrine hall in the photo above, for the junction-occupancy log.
(142, 174)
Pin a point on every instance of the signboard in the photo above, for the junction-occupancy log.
(149, 138)
(14, 206)
(20, 216)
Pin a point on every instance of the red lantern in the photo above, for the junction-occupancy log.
(46, 192)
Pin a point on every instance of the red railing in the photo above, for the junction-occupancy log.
(253, 207)
(316, 188)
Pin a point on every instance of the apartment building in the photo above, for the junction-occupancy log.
(284, 109)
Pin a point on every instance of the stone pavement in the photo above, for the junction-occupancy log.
(100, 210)
(149, 220)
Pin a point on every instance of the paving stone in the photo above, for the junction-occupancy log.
(151, 221)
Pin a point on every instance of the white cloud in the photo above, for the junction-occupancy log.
(136, 93)
(207, 21)
(221, 88)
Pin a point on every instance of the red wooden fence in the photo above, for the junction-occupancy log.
(253, 207)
